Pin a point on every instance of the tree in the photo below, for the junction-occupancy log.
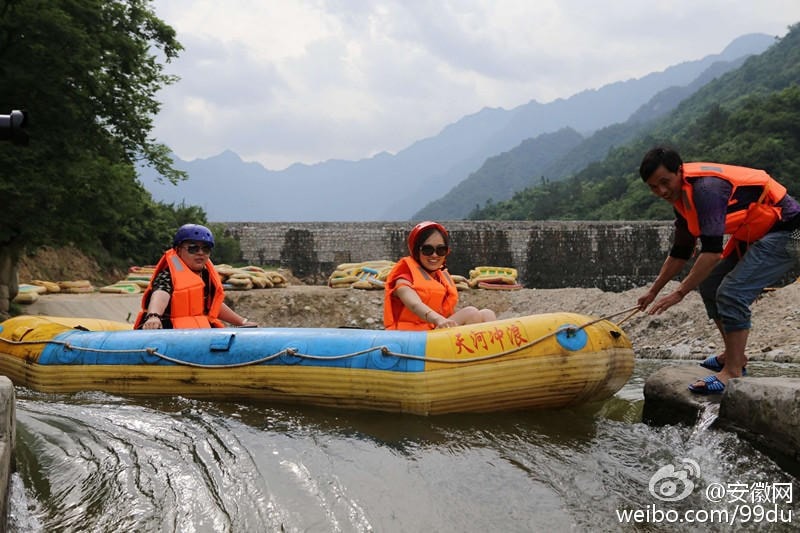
(87, 71)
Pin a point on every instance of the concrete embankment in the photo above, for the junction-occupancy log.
(762, 410)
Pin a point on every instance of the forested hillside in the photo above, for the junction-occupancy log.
(547, 158)
(503, 175)
(749, 117)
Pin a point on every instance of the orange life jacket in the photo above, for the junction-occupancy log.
(187, 303)
(744, 222)
(436, 289)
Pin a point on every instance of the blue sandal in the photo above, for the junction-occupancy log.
(714, 364)
(711, 385)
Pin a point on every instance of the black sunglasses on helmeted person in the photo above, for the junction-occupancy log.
(196, 248)
(441, 250)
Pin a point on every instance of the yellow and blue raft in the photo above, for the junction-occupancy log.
(538, 361)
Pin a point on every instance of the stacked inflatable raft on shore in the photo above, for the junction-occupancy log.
(494, 278)
(138, 278)
(233, 278)
(373, 274)
(29, 292)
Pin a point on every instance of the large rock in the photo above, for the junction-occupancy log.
(765, 411)
(667, 399)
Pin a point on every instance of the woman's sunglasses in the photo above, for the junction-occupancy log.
(196, 248)
(427, 249)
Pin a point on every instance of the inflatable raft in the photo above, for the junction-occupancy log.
(539, 361)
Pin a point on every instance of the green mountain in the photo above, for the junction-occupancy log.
(502, 175)
(748, 116)
(230, 189)
(552, 157)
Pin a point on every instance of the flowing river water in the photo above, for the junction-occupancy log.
(96, 462)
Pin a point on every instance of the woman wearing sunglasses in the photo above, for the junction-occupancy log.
(185, 290)
(419, 293)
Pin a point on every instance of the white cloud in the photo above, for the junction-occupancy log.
(282, 81)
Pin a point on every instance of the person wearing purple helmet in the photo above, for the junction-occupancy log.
(185, 290)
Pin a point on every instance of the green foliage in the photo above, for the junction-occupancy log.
(748, 117)
(87, 71)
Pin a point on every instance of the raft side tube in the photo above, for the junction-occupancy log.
(327, 347)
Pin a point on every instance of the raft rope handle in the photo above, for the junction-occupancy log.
(289, 351)
(635, 309)
(570, 330)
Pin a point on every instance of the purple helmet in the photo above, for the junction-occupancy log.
(193, 232)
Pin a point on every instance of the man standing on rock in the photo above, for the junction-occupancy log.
(712, 200)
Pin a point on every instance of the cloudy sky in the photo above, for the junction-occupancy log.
(284, 81)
